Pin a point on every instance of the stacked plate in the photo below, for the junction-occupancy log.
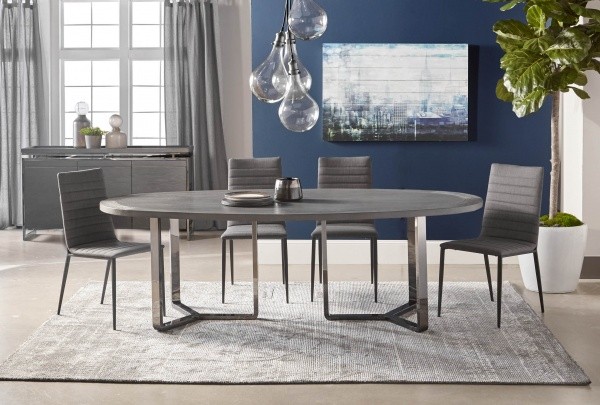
(247, 198)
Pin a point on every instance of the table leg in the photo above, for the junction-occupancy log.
(175, 267)
(158, 276)
(417, 281)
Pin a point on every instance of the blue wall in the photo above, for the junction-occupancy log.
(463, 166)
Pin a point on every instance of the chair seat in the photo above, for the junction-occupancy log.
(109, 249)
(264, 231)
(347, 230)
(491, 246)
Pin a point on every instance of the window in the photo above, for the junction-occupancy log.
(110, 56)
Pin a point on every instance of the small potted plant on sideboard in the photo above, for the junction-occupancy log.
(93, 137)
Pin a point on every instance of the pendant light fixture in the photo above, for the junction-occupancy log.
(282, 77)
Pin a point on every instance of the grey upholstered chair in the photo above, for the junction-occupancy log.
(510, 224)
(252, 174)
(88, 231)
(344, 172)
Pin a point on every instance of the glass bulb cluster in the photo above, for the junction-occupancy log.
(282, 76)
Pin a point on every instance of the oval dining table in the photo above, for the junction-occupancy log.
(318, 204)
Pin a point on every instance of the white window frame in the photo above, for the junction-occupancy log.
(124, 54)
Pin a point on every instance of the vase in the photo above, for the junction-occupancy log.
(78, 139)
(93, 141)
(116, 140)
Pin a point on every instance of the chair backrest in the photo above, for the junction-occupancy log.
(513, 202)
(251, 174)
(345, 172)
(80, 195)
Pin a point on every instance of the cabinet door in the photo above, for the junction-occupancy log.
(41, 203)
(152, 176)
(117, 177)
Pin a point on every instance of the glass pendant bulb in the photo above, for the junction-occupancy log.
(269, 80)
(290, 47)
(307, 20)
(298, 112)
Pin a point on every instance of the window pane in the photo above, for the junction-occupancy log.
(75, 36)
(146, 125)
(69, 117)
(73, 95)
(105, 36)
(100, 120)
(106, 73)
(145, 73)
(105, 99)
(78, 73)
(105, 13)
(145, 36)
(162, 99)
(146, 99)
(145, 12)
(77, 13)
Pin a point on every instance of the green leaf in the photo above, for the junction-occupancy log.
(536, 19)
(529, 103)
(571, 47)
(524, 71)
(581, 79)
(513, 30)
(593, 65)
(586, 12)
(539, 44)
(557, 10)
(502, 93)
(582, 94)
(510, 5)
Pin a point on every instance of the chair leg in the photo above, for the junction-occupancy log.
(538, 276)
(499, 297)
(489, 277)
(223, 268)
(312, 270)
(284, 263)
(441, 280)
(161, 263)
(372, 261)
(375, 266)
(114, 293)
(283, 276)
(231, 258)
(105, 281)
(320, 262)
(64, 282)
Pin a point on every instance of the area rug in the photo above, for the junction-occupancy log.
(293, 343)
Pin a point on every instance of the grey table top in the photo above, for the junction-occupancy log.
(317, 204)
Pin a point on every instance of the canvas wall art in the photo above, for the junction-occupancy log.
(395, 92)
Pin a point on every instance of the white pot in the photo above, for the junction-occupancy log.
(93, 141)
(560, 251)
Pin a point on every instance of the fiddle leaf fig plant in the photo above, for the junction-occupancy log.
(545, 54)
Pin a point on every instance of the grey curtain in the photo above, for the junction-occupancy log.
(192, 100)
(22, 109)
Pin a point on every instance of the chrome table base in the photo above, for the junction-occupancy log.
(417, 280)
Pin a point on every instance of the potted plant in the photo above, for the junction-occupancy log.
(545, 55)
(93, 137)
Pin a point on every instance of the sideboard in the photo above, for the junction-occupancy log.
(126, 171)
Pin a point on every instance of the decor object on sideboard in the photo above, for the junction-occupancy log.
(544, 56)
(281, 76)
(116, 139)
(81, 108)
(364, 100)
(93, 137)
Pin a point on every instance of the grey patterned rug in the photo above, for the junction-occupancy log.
(293, 343)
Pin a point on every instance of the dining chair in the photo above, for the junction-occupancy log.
(344, 172)
(252, 174)
(88, 231)
(510, 224)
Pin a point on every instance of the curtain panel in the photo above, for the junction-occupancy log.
(192, 99)
(22, 109)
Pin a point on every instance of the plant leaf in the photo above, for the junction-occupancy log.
(586, 12)
(529, 103)
(510, 5)
(502, 93)
(571, 47)
(582, 94)
(513, 29)
(581, 79)
(536, 19)
(524, 71)
(539, 44)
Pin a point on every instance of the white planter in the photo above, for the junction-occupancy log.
(560, 251)
(93, 141)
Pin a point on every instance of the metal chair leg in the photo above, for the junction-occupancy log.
(223, 268)
(499, 297)
(312, 270)
(538, 276)
(64, 282)
(283, 276)
(441, 281)
(231, 258)
(489, 276)
(375, 266)
(105, 281)
(284, 262)
(114, 293)
(372, 261)
(320, 262)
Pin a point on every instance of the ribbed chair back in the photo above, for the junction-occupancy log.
(512, 205)
(345, 172)
(80, 195)
(252, 174)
